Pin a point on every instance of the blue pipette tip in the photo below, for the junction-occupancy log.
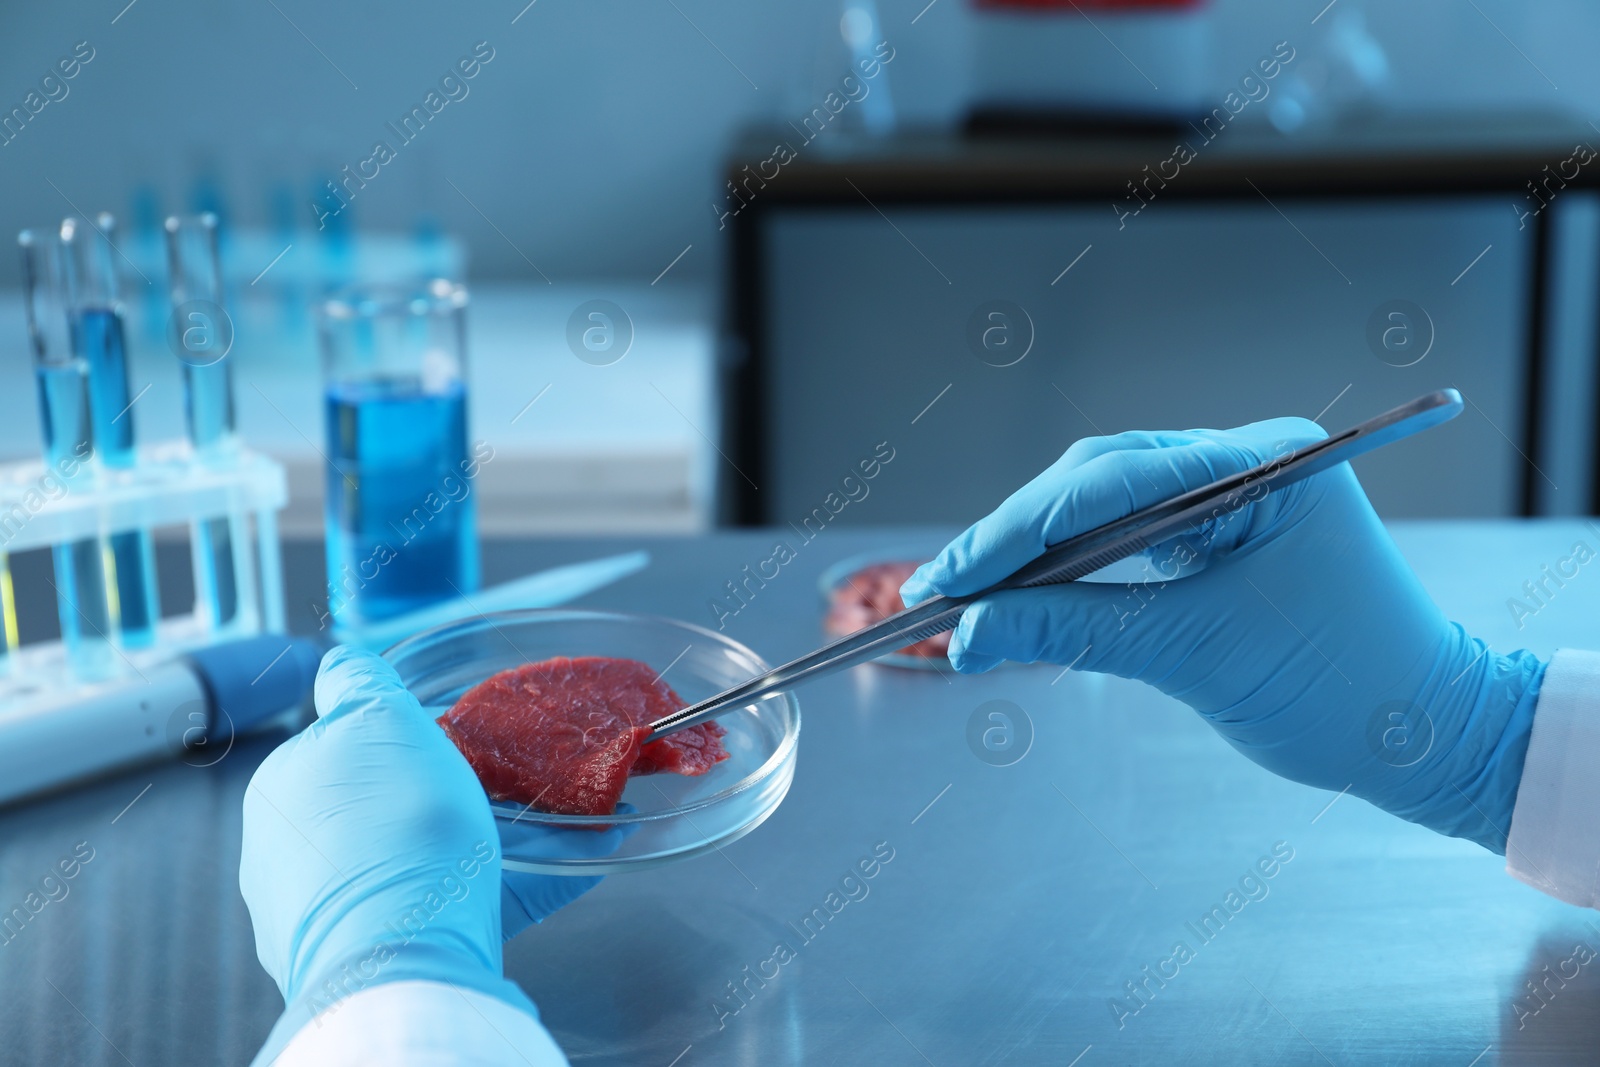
(255, 678)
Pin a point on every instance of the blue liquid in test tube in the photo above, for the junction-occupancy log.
(202, 335)
(401, 525)
(208, 410)
(100, 340)
(85, 601)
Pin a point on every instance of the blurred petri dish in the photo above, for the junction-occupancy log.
(837, 575)
(675, 817)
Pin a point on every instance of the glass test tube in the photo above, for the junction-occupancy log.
(84, 599)
(94, 295)
(201, 334)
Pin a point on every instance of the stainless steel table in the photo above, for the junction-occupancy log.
(1018, 904)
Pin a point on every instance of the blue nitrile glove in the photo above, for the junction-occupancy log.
(370, 854)
(1293, 626)
(531, 898)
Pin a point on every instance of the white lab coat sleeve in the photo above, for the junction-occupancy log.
(1554, 842)
(422, 1024)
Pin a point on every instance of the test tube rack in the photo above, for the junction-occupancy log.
(168, 487)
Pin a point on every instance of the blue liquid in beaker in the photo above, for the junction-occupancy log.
(102, 343)
(401, 519)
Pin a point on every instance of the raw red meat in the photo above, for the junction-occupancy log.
(872, 594)
(563, 735)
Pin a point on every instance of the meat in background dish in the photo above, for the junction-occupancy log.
(872, 594)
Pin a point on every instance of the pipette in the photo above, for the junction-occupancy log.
(191, 707)
(1081, 555)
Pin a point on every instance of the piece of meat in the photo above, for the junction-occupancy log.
(563, 735)
(872, 594)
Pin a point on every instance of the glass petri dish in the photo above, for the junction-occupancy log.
(674, 817)
(919, 552)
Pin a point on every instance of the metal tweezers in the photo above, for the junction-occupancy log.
(1081, 555)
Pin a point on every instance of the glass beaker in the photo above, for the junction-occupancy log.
(400, 514)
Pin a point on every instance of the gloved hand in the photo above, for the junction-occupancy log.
(531, 898)
(370, 854)
(1293, 625)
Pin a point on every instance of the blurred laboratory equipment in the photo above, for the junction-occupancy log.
(1088, 65)
(94, 294)
(83, 599)
(276, 259)
(400, 515)
(191, 707)
(142, 243)
(843, 86)
(200, 333)
(57, 505)
(98, 494)
(863, 35)
(275, 268)
(1341, 75)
